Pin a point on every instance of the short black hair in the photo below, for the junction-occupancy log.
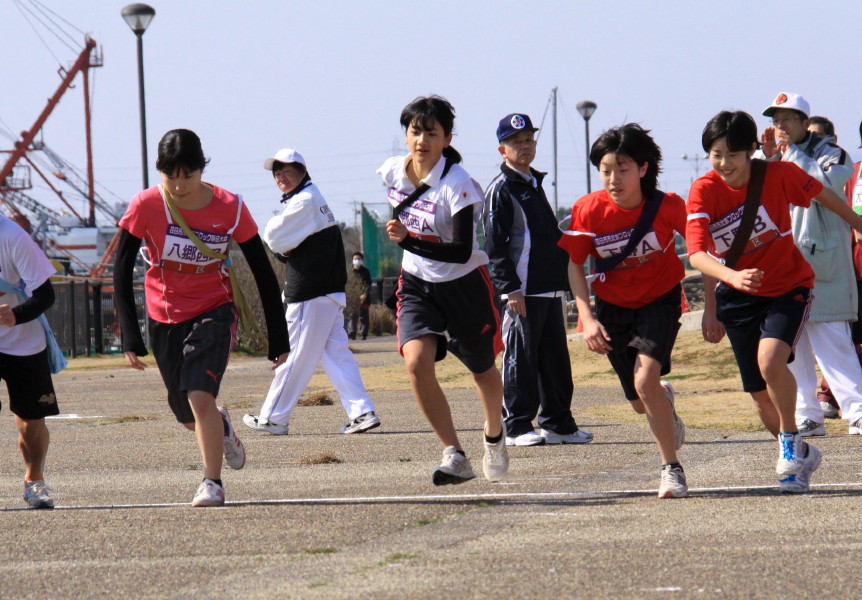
(424, 111)
(278, 166)
(180, 150)
(636, 143)
(826, 124)
(738, 127)
(359, 254)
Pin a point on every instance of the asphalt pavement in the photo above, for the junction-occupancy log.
(318, 514)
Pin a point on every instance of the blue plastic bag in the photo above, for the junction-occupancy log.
(55, 355)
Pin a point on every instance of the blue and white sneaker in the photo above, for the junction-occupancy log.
(37, 494)
(790, 452)
(799, 483)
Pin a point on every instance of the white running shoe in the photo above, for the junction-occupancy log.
(679, 426)
(495, 464)
(576, 437)
(856, 427)
(258, 425)
(234, 451)
(790, 451)
(799, 483)
(209, 494)
(362, 423)
(531, 438)
(673, 484)
(829, 410)
(37, 494)
(454, 469)
(809, 428)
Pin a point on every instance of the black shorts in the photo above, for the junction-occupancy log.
(749, 319)
(856, 326)
(464, 307)
(650, 329)
(28, 381)
(193, 355)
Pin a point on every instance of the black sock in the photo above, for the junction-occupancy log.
(218, 481)
(461, 452)
(673, 465)
(495, 439)
(226, 430)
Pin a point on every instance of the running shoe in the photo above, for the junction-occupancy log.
(37, 494)
(495, 464)
(576, 437)
(856, 427)
(260, 425)
(830, 411)
(362, 423)
(808, 428)
(679, 426)
(790, 451)
(530, 438)
(234, 451)
(799, 483)
(209, 494)
(454, 469)
(673, 484)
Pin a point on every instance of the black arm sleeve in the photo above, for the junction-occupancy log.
(459, 250)
(270, 296)
(124, 295)
(41, 300)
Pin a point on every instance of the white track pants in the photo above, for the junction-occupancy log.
(316, 332)
(830, 344)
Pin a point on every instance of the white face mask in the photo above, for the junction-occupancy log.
(357, 262)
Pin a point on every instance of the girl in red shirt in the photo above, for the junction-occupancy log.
(637, 299)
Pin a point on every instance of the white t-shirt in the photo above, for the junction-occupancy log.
(21, 258)
(429, 217)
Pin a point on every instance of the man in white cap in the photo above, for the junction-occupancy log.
(306, 237)
(824, 240)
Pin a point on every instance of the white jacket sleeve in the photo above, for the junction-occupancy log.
(297, 221)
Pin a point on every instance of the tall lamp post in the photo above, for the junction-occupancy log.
(138, 17)
(587, 108)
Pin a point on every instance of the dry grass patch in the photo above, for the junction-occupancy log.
(315, 399)
(320, 459)
(129, 419)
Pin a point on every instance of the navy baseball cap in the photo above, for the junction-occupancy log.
(512, 124)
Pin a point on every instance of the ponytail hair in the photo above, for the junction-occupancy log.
(424, 111)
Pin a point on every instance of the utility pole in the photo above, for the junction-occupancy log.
(554, 115)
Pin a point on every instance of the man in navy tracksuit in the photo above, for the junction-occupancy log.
(529, 271)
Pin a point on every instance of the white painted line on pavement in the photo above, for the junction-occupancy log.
(76, 416)
(438, 497)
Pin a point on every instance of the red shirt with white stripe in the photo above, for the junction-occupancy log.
(181, 283)
(714, 215)
(600, 228)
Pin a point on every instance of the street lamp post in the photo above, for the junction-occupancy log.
(138, 17)
(587, 108)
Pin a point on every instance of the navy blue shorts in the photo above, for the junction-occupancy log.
(193, 355)
(464, 307)
(28, 381)
(749, 319)
(650, 329)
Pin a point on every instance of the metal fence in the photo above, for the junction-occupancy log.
(84, 320)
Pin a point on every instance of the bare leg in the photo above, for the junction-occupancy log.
(772, 355)
(490, 387)
(655, 403)
(33, 440)
(209, 431)
(419, 360)
(766, 411)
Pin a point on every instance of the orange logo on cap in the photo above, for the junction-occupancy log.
(781, 99)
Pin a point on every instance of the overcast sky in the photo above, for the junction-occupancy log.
(330, 78)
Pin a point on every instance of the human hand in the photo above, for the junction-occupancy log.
(133, 361)
(747, 280)
(516, 303)
(768, 143)
(282, 358)
(7, 317)
(712, 329)
(596, 336)
(397, 230)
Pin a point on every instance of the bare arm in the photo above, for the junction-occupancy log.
(747, 280)
(832, 201)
